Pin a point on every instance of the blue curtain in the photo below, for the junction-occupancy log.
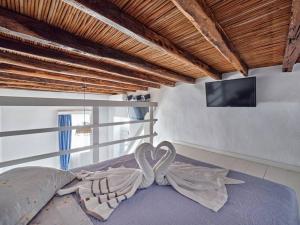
(64, 138)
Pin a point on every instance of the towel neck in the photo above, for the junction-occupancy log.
(140, 156)
(161, 167)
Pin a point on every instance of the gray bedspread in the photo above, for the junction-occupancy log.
(257, 202)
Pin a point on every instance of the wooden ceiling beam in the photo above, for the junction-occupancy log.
(33, 73)
(200, 15)
(51, 82)
(46, 87)
(292, 50)
(54, 83)
(15, 59)
(26, 29)
(62, 58)
(111, 15)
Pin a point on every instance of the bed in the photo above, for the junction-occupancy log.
(257, 202)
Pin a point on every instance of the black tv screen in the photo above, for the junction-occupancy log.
(231, 93)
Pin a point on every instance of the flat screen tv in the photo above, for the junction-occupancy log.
(231, 93)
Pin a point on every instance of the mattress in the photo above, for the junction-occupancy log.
(257, 202)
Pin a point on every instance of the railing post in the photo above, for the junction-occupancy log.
(96, 138)
(151, 124)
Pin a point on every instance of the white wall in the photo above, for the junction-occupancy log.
(119, 114)
(14, 118)
(270, 131)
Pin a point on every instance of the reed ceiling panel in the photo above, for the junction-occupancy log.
(164, 18)
(59, 14)
(257, 28)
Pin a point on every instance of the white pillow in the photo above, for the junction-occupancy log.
(24, 191)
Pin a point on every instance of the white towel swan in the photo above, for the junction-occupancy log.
(201, 184)
(101, 192)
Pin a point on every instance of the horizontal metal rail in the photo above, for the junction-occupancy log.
(27, 101)
(53, 154)
(53, 129)
(32, 101)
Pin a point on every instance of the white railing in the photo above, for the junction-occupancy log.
(95, 104)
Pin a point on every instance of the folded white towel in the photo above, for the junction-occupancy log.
(201, 184)
(102, 191)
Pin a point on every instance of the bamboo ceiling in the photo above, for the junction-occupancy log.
(110, 60)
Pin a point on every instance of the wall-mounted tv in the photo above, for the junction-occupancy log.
(231, 93)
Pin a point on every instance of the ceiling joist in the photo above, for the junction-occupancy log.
(62, 58)
(292, 50)
(46, 87)
(30, 74)
(39, 87)
(32, 31)
(200, 15)
(20, 60)
(54, 83)
(111, 15)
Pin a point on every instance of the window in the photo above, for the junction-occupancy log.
(78, 120)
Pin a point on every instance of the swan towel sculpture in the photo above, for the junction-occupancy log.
(201, 184)
(101, 192)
